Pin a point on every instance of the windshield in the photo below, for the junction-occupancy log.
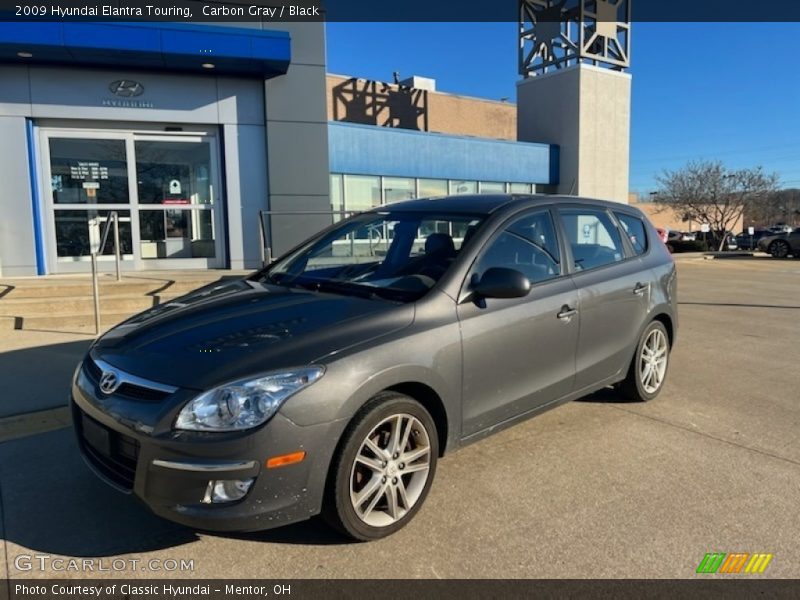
(397, 256)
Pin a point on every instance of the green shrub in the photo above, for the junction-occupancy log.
(696, 246)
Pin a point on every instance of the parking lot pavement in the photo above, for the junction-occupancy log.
(595, 488)
(33, 367)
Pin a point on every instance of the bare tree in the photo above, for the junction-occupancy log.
(707, 192)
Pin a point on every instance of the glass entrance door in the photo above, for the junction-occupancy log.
(176, 199)
(164, 188)
(88, 179)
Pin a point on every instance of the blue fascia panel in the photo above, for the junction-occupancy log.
(108, 36)
(211, 44)
(369, 150)
(171, 46)
(38, 234)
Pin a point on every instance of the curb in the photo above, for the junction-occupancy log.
(26, 425)
(724, 255)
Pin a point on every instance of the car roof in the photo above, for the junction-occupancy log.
(488, 203)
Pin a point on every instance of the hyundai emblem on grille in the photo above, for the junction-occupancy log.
(109, 382)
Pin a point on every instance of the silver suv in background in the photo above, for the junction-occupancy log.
(333, 380)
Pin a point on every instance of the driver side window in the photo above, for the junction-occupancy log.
(528, 245)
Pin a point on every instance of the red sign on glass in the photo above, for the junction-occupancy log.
(175, 201)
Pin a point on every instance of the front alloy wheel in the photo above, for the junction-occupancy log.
(779, 249)
(384, 468)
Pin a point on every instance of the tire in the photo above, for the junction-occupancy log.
(779, 249)
(642, 384)
(378, 494)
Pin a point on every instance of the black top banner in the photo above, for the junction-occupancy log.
(393, 11)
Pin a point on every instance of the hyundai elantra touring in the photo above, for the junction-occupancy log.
(333, 380)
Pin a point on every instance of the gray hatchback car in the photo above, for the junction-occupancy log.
(333, 380)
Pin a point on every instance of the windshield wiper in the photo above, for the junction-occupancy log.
(340, 287)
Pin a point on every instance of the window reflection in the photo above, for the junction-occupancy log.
(173, 173)
(88, 171)
(73, 232)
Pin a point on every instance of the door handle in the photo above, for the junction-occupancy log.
(567, 313)
(641, 288)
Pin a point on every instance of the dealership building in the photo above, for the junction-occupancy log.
(189, 133)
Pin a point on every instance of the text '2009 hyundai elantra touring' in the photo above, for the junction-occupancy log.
(334, 379)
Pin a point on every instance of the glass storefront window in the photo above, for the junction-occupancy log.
(398, 189)
(176, 175)
(429, 188)
(463, 187)
(337, 199)
(176, 233)
(519, 188)
(337, 195)
(173, 173)
(361, 192)
(88, 171)
(74, 237)
(493, 187)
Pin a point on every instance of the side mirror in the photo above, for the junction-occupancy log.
(499, 282)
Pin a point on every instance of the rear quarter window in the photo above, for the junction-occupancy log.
(635, 230)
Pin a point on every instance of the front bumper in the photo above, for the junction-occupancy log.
(170, 471)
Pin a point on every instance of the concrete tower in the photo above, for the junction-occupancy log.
(575, 92)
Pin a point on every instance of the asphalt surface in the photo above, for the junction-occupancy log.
(595, 488)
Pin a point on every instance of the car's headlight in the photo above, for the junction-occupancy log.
(244, 404)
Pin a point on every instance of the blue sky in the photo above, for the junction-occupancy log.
(728, 91)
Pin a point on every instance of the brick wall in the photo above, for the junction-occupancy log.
(384, 104)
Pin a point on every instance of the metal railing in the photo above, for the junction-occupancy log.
(113, 217)
(265, 236)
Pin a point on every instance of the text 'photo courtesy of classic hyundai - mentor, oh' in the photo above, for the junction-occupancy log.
(334, 379)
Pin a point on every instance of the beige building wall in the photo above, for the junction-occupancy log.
(666, 218)
(585, 110)
(378, 103)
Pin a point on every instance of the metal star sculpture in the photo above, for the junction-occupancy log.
(554, 34)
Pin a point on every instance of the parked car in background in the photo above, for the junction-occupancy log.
(714, 240)
(781, 245)
(333, 380)
(689, 236)
(745, 241)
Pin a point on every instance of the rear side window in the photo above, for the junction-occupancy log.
(635, 230)
(593, 237)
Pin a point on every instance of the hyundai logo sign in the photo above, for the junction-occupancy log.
(126, 88)
(109, 382)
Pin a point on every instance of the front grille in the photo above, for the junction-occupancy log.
(137, 392)
(112, 453)
(127, 390)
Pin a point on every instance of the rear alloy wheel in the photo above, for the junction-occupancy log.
(779, 249)
(648, 370)
(384, 468)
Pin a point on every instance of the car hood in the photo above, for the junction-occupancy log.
(227, 331)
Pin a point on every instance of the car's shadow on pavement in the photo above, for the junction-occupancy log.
(53, 504)
(314, 532)
(607, 395)
(37, 377)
